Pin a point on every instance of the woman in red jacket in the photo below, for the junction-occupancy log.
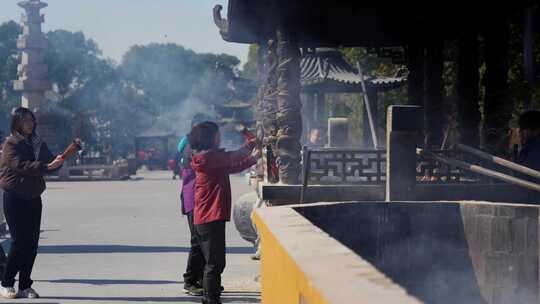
(213, 198)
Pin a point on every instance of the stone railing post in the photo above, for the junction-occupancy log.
(404, 125)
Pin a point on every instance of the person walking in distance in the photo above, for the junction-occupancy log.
(25, 160)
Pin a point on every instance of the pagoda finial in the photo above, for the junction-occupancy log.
(32, 5)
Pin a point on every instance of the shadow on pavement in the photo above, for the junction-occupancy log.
(128, 299)
(251, 293)
(18, 301)
(155, 299)
(110, 282)
(83, 249)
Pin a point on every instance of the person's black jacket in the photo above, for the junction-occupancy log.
(20, 171)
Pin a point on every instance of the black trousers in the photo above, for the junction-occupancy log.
(212, 241)
(195, 262)
(23, 217)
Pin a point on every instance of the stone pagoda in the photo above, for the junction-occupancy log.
(33, 75)
(33, 79)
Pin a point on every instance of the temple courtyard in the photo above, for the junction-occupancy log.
(126, 242)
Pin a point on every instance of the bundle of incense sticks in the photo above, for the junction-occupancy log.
(248, 134)
(73, 148)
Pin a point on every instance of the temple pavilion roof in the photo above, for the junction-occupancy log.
(324, 23)
(326, 70)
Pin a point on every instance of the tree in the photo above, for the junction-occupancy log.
(79, 75)
(9, 59)
(174, 80)
(250, 68)
(92, 97)
(371, 65)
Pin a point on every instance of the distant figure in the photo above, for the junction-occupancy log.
(316, 138)
(529, 131)
(25, 160)
(212, 166)
(142, 157)
(174, 164)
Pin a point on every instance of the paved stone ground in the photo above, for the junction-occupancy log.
(125, 242)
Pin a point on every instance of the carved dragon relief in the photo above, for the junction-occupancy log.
(222, 24)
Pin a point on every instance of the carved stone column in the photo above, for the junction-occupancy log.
(268, 109)
(289, 107)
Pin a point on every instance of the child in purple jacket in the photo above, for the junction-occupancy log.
(195, 264)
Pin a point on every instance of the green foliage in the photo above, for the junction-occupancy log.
(165, 73)
(168, 74)
(250, 68)
(9, 59)
(104, 103)
(516, 79)
(371, 65)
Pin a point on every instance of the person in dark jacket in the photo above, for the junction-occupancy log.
(529, 131)
(212, 167)
(195, 263)
(25, 160)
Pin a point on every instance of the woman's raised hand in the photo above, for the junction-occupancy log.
(56, 163)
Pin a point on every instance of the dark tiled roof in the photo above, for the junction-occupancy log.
(324, 23)
(328, 69)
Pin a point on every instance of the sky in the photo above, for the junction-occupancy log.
(116, 25)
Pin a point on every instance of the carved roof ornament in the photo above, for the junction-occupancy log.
(32, 4)
(222, 23)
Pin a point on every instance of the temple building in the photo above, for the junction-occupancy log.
(284, 28)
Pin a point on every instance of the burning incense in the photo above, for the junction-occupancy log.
(73, 148)
(247, 134)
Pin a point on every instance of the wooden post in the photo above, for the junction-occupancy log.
(433, 103)
(366, 137)
(306, 164)
(404, 127)
(528, 57)
(320, 109)
(498, 107)
(308, 112)
(468, 78)
(374, 101)
(368, 109)
(415, 53)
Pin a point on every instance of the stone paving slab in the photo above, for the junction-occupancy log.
(126, 242)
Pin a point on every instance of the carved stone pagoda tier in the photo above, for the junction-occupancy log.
(33, 73)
